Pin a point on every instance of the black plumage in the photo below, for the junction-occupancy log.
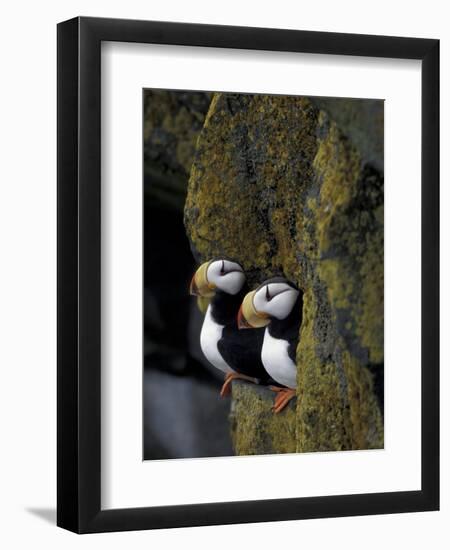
(241, 349)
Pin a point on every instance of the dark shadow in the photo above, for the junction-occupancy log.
(46, 514)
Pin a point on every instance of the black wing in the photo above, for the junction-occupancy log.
(241, 349)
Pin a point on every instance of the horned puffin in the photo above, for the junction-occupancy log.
(277, 305)
(236, 353)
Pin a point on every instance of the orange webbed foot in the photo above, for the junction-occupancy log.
(226, 388)
(284, 395)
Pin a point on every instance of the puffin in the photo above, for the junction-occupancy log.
(236, 353)
(276, 304)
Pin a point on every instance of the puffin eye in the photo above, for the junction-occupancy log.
(222, 269)
(268, 296)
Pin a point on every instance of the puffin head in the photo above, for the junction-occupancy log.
(273, 299)
(222, 274)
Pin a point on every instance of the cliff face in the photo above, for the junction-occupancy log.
(294, 186)
(172, 122)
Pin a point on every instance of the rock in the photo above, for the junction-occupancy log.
(284, 186)
(362, 120)
(172, 123)
(254, 428)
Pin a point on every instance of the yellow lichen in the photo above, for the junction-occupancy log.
(321, 413)
(255, 429)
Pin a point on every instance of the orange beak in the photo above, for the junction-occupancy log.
(242, 321)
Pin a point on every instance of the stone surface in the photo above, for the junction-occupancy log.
(172, 123)
(285, 186)
(255, 430)
(362, 120)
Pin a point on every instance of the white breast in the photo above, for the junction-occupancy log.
(277, 362)
(211, 333)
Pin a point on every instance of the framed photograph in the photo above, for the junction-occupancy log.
(248, 259)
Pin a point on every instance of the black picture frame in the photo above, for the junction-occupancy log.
(79, 281)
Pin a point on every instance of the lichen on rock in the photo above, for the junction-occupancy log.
(254, 428)
(283, 187)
